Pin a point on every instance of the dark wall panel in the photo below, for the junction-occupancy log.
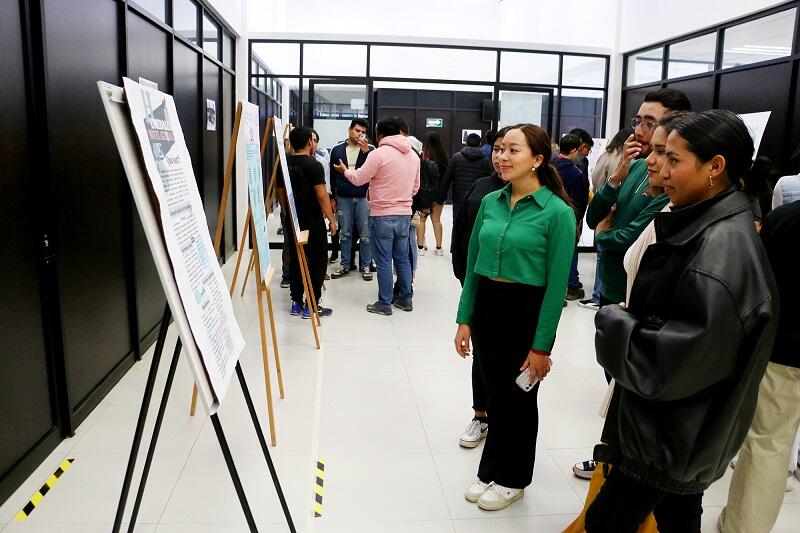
(761, 89)
(228, 238)
(25, 416)
(212, 176)
(631, 101)
(148, 48)
(186, 90)
(700, 92)
(90, 187)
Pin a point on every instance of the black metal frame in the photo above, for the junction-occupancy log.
(494, 84)
(718, 70)
(226, 452)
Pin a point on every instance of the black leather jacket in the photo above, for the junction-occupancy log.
(689, 353)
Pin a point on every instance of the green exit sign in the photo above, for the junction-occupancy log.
(434, 122)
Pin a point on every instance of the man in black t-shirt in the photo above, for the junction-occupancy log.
(307, 178)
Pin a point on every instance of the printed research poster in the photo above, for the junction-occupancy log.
(199, 278)
(255, 182)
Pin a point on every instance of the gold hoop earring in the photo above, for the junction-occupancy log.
(710, 181)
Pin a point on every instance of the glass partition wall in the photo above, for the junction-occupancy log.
(325, 84)
(747, 65)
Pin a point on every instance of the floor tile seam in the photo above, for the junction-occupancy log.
(581, 498)
(427, 441)
(85, 431)
(172, 492)
(316, 415)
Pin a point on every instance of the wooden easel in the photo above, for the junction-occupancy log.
(301, 239)
(250, 225)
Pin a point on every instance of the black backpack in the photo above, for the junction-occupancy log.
(428, 185)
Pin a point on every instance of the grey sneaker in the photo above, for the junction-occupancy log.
(340, 273)
(405, 305)
(366, 275)
(473, 434)
(379, 309)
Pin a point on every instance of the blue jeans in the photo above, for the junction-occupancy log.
(354, 211)
(390, 242)
(574, 282)
(412, 239)
(598, 283)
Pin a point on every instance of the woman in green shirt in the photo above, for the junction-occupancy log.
(517, 268)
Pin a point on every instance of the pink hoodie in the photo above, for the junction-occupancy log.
(392, 172)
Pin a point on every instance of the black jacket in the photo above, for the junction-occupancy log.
(780, 235)
(575, 183)
(466, 166)
(689, 353)
(463, 223)
(341, 186)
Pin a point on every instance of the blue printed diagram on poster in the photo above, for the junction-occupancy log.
(255, 181)
(202, 287)
(278, 128)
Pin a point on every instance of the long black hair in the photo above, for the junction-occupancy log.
(433, 146)
(540, 143)
(719, 132)
(618, 140)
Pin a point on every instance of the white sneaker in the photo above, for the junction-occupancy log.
(438, 251)
(475, 491)
(473, 434)
(498, 497)
(422, 251)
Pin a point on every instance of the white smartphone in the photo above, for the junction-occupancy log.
(524, 380)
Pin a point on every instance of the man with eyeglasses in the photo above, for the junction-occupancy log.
(621, 209)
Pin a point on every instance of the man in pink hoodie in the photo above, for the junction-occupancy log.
(392, 172)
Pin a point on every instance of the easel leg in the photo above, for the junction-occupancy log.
(257, 425)
(265, 358)
(162, 409)
(268, 293)
(137, 438)
(237, 483)
(307, 288)
(249, 269)
(241, 248)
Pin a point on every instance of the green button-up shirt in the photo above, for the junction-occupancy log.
(532, 244)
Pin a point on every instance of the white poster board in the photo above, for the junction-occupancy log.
(179, 212)
(249, 131)
(756, 123)
(287, 182)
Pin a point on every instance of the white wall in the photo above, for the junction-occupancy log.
(589, 25)
(231, 11)
(643, 23)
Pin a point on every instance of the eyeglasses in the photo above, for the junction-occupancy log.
(647, 124)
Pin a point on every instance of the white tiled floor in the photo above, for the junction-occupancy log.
(383, 403)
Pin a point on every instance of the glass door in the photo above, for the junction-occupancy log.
(517, 105)
(333, 105)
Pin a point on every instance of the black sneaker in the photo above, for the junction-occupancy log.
(334, 258)
(366, 275)
(373, 267)
(575, 293)
(589, 304)
(284, 283)
(342, 272)
(585, 469)
(379, 309)
(405, 305)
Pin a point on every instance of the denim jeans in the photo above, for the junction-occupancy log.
(412, 240)
(354, 211)
(390, 243)
(574, 282)
(598, 284)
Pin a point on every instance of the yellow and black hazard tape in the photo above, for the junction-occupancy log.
(37, 498)
(319, 489)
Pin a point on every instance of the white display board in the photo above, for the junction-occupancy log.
(756, 123)
(287, 182)
(249, 129)
(153, 152)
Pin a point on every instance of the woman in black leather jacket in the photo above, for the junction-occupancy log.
(690, 350)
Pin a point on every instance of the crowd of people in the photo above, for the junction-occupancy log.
(693, 248)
